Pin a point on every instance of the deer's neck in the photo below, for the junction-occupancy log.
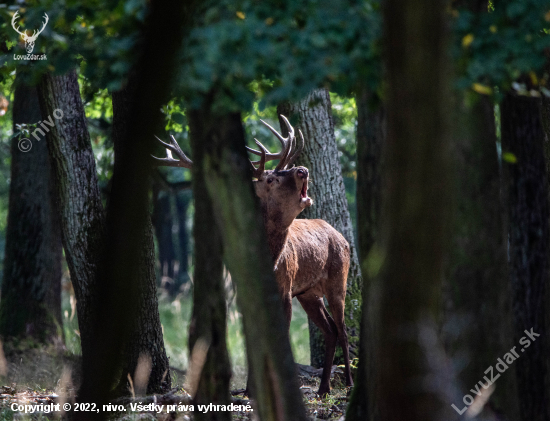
(277, 239)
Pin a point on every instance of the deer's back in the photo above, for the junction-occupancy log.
(315, 252)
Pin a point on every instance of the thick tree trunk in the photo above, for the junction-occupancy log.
(313, 116)
(370, 138)
(147, 337)
(522, 135)
(31, 288)
(477, 293)
(410, 373)
(76, 191)
(208, 327)
(248, 259)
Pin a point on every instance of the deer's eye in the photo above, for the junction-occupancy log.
(269, 180)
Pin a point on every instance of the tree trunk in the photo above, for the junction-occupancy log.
(477, 293)
(182, 206)
(370, 138)
(209, 320)
(248, 259)
(522, 135)
(313, 116)
(76, 191)
(31, 288)
(162, 222)
(147, 338)
(410, 364)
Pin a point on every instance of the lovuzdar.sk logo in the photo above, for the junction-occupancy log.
(29, 39)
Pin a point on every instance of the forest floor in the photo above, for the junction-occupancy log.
(46, 376)
(50, 375)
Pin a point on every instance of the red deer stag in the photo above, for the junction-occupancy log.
(311, 258)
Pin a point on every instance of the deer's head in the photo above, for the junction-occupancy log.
(282, 191)
(29, 40)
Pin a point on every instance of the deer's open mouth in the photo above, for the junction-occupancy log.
(303, 192)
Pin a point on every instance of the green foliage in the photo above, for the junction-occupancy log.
(497, 48)
(298, 46)
(5, 161)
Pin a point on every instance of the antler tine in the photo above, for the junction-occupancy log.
(257, 172)
(262, 147)
(13, 19)
(276, 133)
(299, 150)
(169, 161)
(289, 127)
(290, 145)
(44, 25)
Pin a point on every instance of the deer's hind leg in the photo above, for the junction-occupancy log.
(315, 308)
(336, 302)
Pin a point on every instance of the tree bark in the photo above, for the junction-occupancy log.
(246, 254)
(522, 135)
(163, 222)
(182, 206)
(76, 191)
(370, 139)
(410, 373)
(209, 320)
(313, 116)
(31, 288)
(477, 293)
(147, 337)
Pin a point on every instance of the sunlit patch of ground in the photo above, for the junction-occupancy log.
(47, 375)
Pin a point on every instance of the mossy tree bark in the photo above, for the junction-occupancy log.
(313, 116)
(208, 327)
(30, 308)
(370, 139)
(246, 255)
(522, 135)
(415, 212)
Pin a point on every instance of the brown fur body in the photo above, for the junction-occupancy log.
(311, 260)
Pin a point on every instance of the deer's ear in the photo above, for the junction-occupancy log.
(257, 187)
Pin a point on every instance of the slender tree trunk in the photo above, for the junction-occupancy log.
(31, 288)
(246, 254)
(182, 206)
(163, 223)
(370, 138)
(522, 135)
(410, 368)
(208, 326)
(76, 191)
(313, 116)
(147, 337)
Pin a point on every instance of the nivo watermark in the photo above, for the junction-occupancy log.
(41, 128)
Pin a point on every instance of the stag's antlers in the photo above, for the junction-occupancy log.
(286, 156)
(169, 161)
(24, 34)
(13, 19)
